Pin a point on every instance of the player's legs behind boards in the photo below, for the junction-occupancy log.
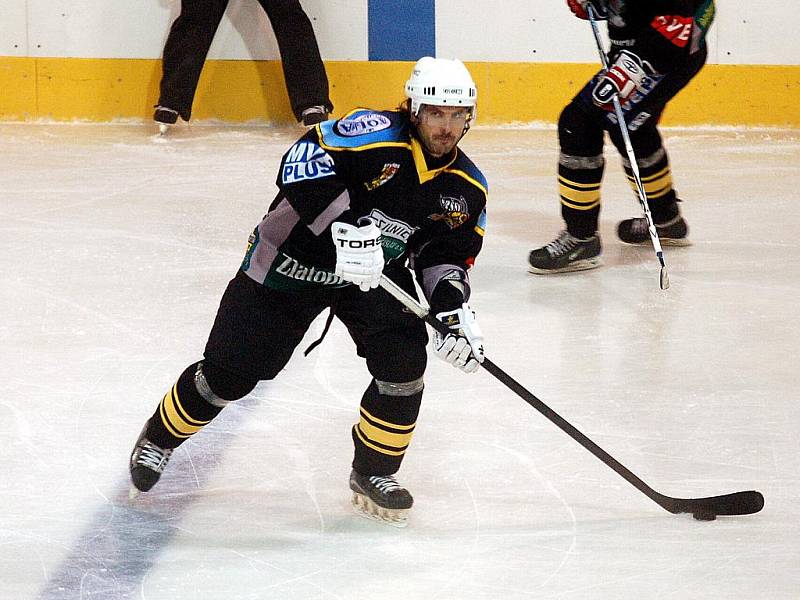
(580, 171)
(186, 408)
(387, 419)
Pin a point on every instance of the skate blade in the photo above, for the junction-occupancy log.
(365, 507)
(676, 242)
(133, 493)
(578, 265)
(163, 128)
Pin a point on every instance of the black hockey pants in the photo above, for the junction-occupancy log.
(193, 31)
(257, 330)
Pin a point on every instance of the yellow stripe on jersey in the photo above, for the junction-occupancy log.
(579, 196)
(473, 181)
(423, 172)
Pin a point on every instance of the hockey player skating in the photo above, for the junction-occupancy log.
(656, 49)
(373, 192)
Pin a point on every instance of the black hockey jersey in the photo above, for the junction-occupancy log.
(369, 165)
(663, 32)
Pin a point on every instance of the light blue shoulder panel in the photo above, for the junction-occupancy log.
(363, 127)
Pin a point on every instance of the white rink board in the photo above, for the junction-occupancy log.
(475, 30)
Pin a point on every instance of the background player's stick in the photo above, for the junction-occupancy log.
(623, 128)
(739, 503)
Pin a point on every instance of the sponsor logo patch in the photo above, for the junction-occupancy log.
(394, 233)
(294, 269)
(639, 120)
(306, 160)
(454, 211)
(676, 29)
(362, 124)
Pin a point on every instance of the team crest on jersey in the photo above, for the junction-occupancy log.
(454, 211)
(362, 124)
(389, 169)
(306, 160)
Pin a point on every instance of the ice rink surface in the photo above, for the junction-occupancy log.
(115, 247)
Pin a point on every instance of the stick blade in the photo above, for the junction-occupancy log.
(738, 503)
(664, 279)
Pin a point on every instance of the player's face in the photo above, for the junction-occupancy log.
(440, 127)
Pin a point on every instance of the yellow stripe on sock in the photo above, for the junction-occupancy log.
(172, 413)
(381, 436)
(375, 419)
(183, 412)
(655, 188)
(368, 444)
(654, 176)
(580, 196)
(165, 420)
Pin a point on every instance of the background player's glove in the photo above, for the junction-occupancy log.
(622, 79)
(464, 347)
(578, 8)
(359, 254)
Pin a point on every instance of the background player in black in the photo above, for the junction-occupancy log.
(657, 47)
(190, 38)
(371, 193)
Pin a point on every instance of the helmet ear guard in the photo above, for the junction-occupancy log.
(441, 82)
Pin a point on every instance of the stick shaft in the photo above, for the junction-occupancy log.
(732, 504)
(626, 139)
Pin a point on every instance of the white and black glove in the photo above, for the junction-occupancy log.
(359, 254)
(464, 347)
(622, 79)
(580, 10)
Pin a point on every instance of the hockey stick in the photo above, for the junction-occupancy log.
(738, 503)
(623, 128)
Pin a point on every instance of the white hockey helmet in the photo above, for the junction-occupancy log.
(441, 82)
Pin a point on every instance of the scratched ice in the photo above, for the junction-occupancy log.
(115, 247)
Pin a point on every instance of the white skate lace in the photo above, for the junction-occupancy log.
(385, 483)
(562, 244)
(153, 457)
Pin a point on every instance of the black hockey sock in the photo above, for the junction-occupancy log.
(579, 180)
(388, 417)
(656, 178)
(182, 412)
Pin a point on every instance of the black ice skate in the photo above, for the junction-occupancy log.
(671, 233)
(165, 117)
(148, 462)
(381, 498)
(313, 115)
(566, 253)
